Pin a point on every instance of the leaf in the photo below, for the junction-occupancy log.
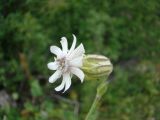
(36, 89)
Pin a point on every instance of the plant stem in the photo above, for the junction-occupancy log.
(101, 90)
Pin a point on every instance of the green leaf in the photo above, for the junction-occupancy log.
(36, 89)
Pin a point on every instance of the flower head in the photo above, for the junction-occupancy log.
(67, 63)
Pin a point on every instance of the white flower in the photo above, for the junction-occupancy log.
(67, 63)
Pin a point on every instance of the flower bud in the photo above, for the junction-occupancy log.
(96, 67)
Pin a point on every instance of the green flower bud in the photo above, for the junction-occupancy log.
(96, 67)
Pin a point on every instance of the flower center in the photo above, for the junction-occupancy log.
(63, 64)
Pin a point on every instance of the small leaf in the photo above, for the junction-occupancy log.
(36, 89)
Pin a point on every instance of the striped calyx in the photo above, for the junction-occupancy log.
(96, 67)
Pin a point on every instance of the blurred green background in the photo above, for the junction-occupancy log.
(126, 31)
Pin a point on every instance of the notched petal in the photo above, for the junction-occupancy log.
(55, 50)
(55, 76)
(61, 86)
(79, 73)
(79, 51)
(64, 44)
(67, 79)
(73, 44)
(53, 65)
(77, 62)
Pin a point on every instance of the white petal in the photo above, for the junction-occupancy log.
(77, 62)
(79, 51)
(67, 79)
(61, 86)
(79, 73)
(53, 65)
(73, 44)
(56, 50)
(64, 44)
(55, 76)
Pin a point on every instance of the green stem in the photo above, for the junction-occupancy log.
(101, 90)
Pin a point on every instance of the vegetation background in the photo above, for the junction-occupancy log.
(126, 31)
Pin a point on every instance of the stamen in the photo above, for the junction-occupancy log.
(63, 64)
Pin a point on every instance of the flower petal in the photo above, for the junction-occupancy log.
(61, 86)
(64, 44)
(77, 62)
(53, 65)
(56, 50)
(79, 51)
(55, 76)
(79, 73)
(67, 79)
(73, 44)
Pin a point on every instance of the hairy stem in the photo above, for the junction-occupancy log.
(101, 90)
